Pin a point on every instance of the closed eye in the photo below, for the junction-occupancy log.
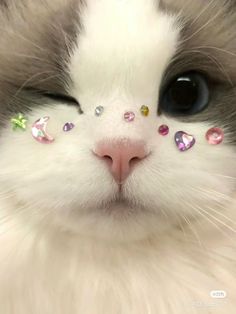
(63, 99)
(58, 97)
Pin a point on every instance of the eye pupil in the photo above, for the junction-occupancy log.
(184, 93)
(187, 94)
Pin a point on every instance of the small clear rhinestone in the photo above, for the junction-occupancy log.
(99, 111)
(129, 116)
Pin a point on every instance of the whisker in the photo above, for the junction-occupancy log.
(212, 223)
(205, 8)
(210, 192)
(216, 48)
(196, 235)
(214, 60)
(203, 26)
(19, 35)
(29, 80)
(222, 215)
(224, 176)
(216, 219)
(7, 53)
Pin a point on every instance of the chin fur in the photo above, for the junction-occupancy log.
(167, 273)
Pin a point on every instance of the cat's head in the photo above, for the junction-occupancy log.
(94, 64)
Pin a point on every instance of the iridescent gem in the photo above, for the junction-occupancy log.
(19, 122)
(163, 130)
(215, 136)
(129, 116)
(184, 141)
(39, 131)
(99, 111)
(144, 111)
(68, 126)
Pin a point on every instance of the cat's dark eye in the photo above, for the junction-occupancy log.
(187, 94)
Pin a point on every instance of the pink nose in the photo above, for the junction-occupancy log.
(121, 156)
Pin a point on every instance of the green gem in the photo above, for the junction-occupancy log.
(19, 122)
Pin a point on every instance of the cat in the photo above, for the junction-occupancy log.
(113, 198)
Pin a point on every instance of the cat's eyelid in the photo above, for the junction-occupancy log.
(64, 98)
(59, 96)
(56, 97)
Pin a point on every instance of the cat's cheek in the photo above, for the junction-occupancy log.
(66, 184)
(62, 172)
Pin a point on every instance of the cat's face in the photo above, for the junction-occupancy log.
(120, 55)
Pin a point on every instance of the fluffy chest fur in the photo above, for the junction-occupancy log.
(45, 273)
(111, 217)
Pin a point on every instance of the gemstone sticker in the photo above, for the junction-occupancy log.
(39, 131)
(163, 130)
(99, 111)
(129, 116)
(145, 111)
(184, 141)
(68, 126)
(19, 122)
(215, 136)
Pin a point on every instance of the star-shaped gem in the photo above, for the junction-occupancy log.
(19, 122)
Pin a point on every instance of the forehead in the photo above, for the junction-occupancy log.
(122, 42)
(113, 38)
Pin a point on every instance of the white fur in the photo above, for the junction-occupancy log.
(61, 252)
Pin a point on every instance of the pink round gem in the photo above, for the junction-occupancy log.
(215, 136)
(163, 130)
(129, 116)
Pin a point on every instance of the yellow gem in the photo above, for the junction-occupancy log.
(145, 111)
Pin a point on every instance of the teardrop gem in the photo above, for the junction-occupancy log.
(68, 126)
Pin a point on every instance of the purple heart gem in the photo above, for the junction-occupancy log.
(68, 127)
(184, 141)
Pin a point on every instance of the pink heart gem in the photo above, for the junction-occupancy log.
(184, 141)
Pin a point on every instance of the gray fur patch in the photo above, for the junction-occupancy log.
(208, 45)
(35, 44)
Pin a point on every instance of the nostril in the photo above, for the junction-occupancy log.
(134, 161)
(108, 159)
